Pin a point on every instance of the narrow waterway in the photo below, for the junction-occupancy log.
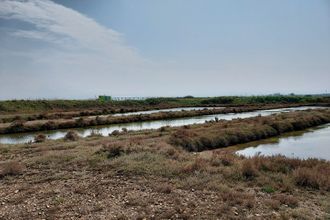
(166, 110)
(106, 129)
(312, 143)
(156, 111)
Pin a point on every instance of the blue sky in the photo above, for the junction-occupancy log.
(82, 48)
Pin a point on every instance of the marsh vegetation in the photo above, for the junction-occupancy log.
(185, 172)
(154, 174)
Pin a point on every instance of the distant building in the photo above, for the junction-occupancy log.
(104, 98)
(123, 98)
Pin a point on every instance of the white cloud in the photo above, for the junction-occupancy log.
(65, 53)
(56, 24)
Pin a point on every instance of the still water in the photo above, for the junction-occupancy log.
(166, 110)
(313, 143)
(106, 129)
(157, 110)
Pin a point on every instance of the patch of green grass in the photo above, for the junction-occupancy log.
(268, 189)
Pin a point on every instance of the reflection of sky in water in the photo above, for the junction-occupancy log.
(167, 110)
(158, 110)
(315, 144)
(106, 129)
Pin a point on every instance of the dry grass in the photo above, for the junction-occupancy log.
(11, 168)
(288, 200)
(176, 182)
(114, 150)
(40, 138)
(164, 188)
(71, 136)
(233, 198)
(273, 204)
(249, 171)
(317, 177)
(225, 133)
(66, 121)
(115, 133)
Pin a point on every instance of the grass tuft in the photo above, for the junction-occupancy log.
(11, 168)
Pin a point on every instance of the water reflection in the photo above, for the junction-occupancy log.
(167, 110)
(315, 143)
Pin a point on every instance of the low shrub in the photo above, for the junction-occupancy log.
(248, 170)
(16, 126)
(81, 122)
(183, 138)
(273, 203)
(237, 131)
(114, 150)
(199, 164)
(163, 129)
(40, 138)
(71, 136)
(225, 160)
(115, 132)
(49, 125)
(268, 189)
(234, 198)
(315, 177)
(164, 188)
(288, 200)
(11, 168)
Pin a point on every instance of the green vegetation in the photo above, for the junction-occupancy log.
(268, 189)
(266, 99)
(104, 98)
(15, 106)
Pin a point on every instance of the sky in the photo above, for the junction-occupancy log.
(85, 48)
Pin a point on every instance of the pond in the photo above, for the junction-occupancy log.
(312, 143)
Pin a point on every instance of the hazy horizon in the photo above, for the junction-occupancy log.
(80, 49)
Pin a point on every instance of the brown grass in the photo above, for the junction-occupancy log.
(71, 136)
(11, 168)
(233, 198)
(225, 133)
(317, 177)
(164, 188)
(249, 171)
(66, 121)
(39, 138)
(115, 133)
(288, 200)
(113, 150)
(217, 182)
